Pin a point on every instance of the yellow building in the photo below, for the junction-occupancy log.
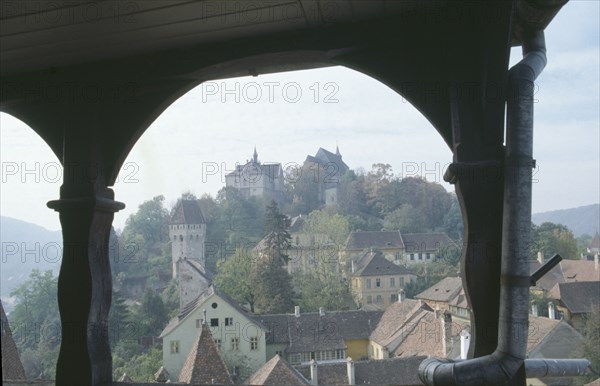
(377, 282)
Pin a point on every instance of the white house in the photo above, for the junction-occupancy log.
(239, 337)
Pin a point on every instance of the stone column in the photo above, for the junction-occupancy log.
(85, 288)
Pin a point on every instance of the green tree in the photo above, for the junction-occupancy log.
(141, 367)
(144, 236)
(334, 226)
(272, 286)
(323, 288)
(119, 318)
(151, 315)
(352, 199)
(305, 188)
(583, 242)
(453, 221)
(234, 274)
(277, 239)
(35, 322)
(552, 238)
(151, 221)
(406, 219)
(591, 345)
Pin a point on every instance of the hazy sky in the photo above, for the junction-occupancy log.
(202, 135)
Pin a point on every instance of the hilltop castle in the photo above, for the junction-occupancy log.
(256, 179)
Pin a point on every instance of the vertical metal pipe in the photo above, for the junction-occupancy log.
(506, 366)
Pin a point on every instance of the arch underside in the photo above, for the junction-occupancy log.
(452, 66)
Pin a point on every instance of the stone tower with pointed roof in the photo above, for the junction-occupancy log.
(187, 233)
(204, 365)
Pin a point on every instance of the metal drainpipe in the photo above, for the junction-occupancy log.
(506, 366)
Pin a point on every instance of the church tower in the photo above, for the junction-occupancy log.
(187, 233)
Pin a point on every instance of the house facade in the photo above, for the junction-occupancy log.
(377, 282)
(575, 301)
(307, 252)
(256, 179)
(399, 248)
(424, 247)
(389, 243)
(323, 336)
(239, 337)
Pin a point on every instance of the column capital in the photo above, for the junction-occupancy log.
(96, 202)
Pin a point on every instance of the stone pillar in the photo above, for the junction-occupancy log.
(86, 209)
(85, 288)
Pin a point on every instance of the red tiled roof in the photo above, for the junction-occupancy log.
(12, 368)
(277, 372)
(204, 365)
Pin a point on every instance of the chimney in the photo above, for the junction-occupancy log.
(540, 257)
(401, 296)
(534, 308)
(297, 311)
(314, 376)
(596, 261)
(446, 332)
(321, 311)
(551, 311)
(465, 340)
(350, 370)
(353, 269)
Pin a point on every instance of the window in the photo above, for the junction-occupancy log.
(420, 255)
(254, 343)
(369, 299)
(392, 282)
(218, 344)
(378, 300)
(229, 321)
(412, 256)
(235, 344)
(401, 281)
(214, 322)
(368, 283)
(394, 298)
(428, 256)
(377, 282)
(174, 347)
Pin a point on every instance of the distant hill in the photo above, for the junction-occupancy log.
(25, 247)
(581, 220)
